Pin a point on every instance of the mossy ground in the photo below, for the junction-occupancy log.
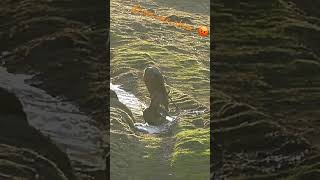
(183, 57)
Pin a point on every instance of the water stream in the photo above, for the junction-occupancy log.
(137, 107)
(128, 99)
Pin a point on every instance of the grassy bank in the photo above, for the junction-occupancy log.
(183, 57)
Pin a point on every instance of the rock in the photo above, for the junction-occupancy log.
(152, 117)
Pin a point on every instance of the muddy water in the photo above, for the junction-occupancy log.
(62, 121)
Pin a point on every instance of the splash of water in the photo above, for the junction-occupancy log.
(162, 129)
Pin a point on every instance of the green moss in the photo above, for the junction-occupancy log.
(185, 63)
(191, 155)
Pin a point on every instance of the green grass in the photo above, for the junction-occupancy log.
(191, 155)
(187, 72)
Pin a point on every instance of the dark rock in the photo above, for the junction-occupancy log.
(152, 117)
